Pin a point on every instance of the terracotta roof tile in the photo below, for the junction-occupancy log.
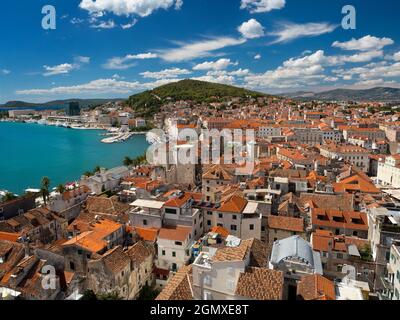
(179, 287)
(316, 287)
(260, 284)
(286, 223)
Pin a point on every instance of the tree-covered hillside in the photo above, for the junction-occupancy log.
(148, 103)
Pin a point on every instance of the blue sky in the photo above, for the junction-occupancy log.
(113, 48)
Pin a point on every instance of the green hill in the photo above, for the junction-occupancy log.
(148, 103)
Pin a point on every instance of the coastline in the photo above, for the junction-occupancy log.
(59, 153)
(117, 136)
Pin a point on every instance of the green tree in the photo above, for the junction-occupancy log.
(366, 253)
(45, 185)
(127, 162)
(88, 174)
(9, 196)
(89, 295)
(60, 188)
(109, 296)
(97, 169)
(147, 293)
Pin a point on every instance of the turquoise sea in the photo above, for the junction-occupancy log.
(30, 151)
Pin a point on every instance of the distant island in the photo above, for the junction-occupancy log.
(84, 103)
(382, 94)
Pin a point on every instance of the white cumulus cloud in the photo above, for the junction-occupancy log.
(142, 8)
(259, 6)
(367, 43)
(165, 74)
(220, 64)
(251, 29)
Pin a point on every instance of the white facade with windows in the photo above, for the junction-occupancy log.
(389, 172)
(394, 272)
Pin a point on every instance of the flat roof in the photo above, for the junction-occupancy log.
(148, 204)
(250, 208)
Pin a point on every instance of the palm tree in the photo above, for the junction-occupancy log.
(45, 185)
(88, 174)
(60, 188)
(97, 169)
(9, 196)
(127, 162)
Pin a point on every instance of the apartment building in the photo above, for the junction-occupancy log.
(147, 213)
(394, 272)
(236, 273)
(347, 223)
(370, 133)
(310, 136)
(295, 157)
(355, 155)
(389, 171)
(242, 218)
(174, 247)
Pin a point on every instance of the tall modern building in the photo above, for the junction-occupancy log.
(73, 109)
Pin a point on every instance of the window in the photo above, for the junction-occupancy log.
(178, 243)
(230, 284)
(252, 227)
(209, 213)
(209, 223)
(163, 252)
(207, 280)
(72, 265)
(174, 254)
(170, 211)
(233, 227)
(220, 215)
(145, 222)
(340, 256)
(234, 217)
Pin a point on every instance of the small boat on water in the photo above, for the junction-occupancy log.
(42, 122)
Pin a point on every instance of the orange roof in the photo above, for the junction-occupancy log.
(220, 230)
(358, 183)
(147, 234)
(323, 241)
(316, 287)
(177, 201)
(352, 220)
(76, 192)
(286, 223)
(93, 240)
(234, 204)
(186, 126)
(291, 154)
(177, 233)
(12, 237)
